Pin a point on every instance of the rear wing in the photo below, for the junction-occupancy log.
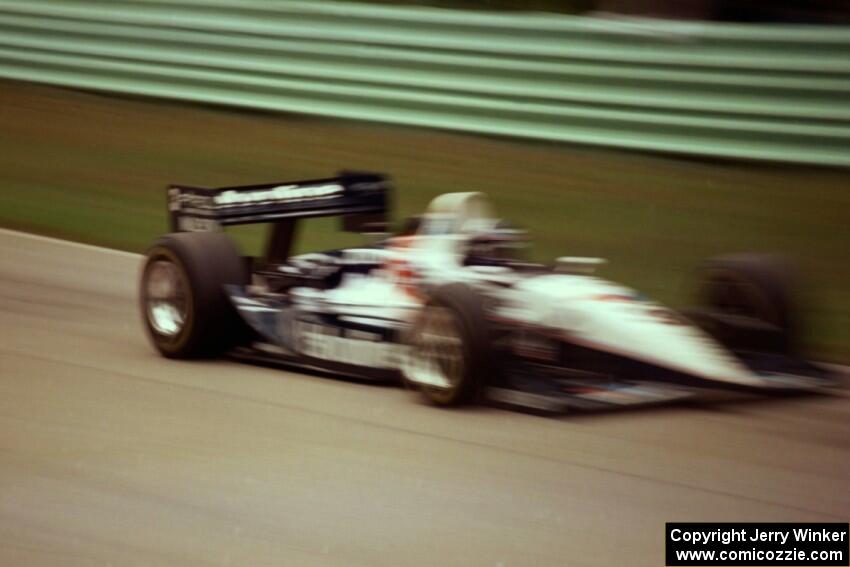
(360, 198)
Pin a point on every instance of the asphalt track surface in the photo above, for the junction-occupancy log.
(111, 455)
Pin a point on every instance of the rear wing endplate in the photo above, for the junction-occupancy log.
(360, 198)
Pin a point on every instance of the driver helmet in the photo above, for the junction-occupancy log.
(501, 243)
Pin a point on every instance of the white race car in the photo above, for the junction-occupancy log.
(450, 307)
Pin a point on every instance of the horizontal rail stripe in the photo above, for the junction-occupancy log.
(772, 92)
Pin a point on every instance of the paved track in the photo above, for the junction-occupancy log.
(112, 455)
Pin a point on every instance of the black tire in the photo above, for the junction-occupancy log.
(465, 308)
(203, 263)
(753, 287)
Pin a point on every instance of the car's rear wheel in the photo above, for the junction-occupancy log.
(449, 357)
(184, 307)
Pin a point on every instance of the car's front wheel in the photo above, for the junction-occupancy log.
(748, 301)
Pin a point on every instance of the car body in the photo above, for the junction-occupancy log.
(450, 307)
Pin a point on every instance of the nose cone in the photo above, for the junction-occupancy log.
(598, 314)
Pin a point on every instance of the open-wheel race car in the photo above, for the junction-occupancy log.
(451, 307)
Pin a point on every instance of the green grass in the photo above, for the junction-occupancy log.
(93, 168)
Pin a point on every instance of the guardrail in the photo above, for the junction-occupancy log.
(772, 92)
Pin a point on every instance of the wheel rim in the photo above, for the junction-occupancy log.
(436, 359)
(165, 298)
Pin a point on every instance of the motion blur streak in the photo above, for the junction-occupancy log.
(768, 92)
(109, 453)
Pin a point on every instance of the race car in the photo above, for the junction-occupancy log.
(451, 307)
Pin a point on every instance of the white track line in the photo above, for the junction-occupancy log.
(31, 236)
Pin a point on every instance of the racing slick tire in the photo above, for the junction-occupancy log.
(450, 343)
(184, 306)
(755, 288)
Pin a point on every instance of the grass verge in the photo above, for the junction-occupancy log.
(93, 168)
